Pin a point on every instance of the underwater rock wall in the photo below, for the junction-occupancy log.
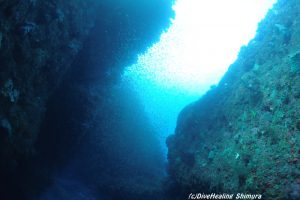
(42, 45)
(38, 42)
(243, 136)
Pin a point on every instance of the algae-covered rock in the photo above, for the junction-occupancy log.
(243, 134)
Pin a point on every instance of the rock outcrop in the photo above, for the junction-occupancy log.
(243, 136)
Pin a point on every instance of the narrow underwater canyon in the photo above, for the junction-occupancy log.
(71, 129)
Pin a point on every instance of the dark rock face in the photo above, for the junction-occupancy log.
(37, 47)
(49, 47)
(243, 135)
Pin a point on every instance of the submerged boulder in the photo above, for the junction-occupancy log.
(243, 136)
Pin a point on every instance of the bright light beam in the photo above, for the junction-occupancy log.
(204, 39)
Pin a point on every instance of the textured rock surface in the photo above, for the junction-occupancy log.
(244, 134)
(41, 45)
(38, 42)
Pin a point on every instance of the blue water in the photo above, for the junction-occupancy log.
(161, 105)
(64, 188)
(162, 100)
(66, 185)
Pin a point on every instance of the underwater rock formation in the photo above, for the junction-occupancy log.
(37, 47)
(41, 49)
(243, 136)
